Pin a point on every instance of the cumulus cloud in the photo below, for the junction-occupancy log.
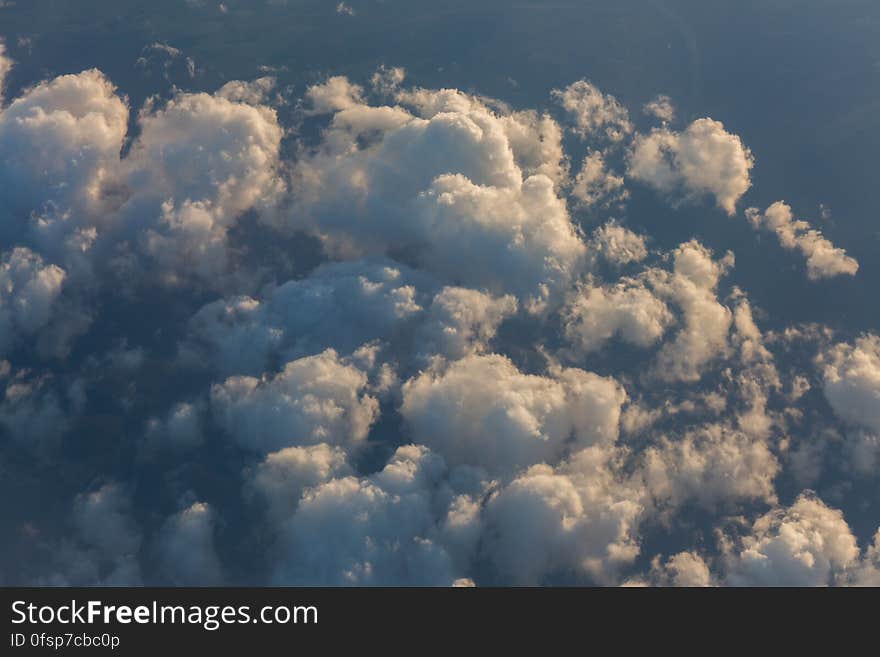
(806, 544)
(334, 95)
(6, 64)
(368, 531)
(851, 383)
(339, 305)
(458, 188)
(461, 322)
(103, 519)
(627, 309)
(29, 289)
(104, 547)
(284, 475)
(683, 569)
(33, 411)
(482, 411)
(185, 548)
(691, 286)
(312, 400)
(703, 160)
(595, 184)
(824, 260)
(712, 466)
(58, 143)
(180, 430)
(594, 112)
(660, 107)
(199, 162)
(618, 245)
(580, 520)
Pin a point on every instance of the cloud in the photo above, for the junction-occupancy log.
(58, 143)
(29, 289)
(627, 309)
(824, 260)
(368, 531)
(103, 520)
(199, 163)
(806, 544)
(283, 477)
(705, 159)
(851, 381)
(311, 400)
(617, 244)
(713, 466)
(461, 322)
(339, 305)
(33, 412)
(579, 520)
(594, 184)
(682, 569)
(255, 92)
(334, 95)
(6, 65)
(691, 286)
(594, 113)
(104, 547)
(458, 189)
(185, 548)
(180, 430)
(482, 411)
(660, 107)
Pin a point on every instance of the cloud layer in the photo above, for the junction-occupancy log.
(381, 334)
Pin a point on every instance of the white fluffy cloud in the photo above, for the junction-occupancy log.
(713, 466)
(103, 520)
(186, 550)
(595, 184)
(705, 159)
(368, 531)
(627, 309)
(316, 399)
(579, 519)
(29, 288)
(284, 475)
(594, 113)
(617, 244)
(483, 411)
(340, 305)
(332, 96)
(806, 544)
(461, 322)
(461, 189)
(199, 162)
(58, 143)
(103, 550)
(824, 260)
(683, 569)
(5, 66)
(691, 286)
(660, 107)
(851, 383)
(180, 430)
(851, 374)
